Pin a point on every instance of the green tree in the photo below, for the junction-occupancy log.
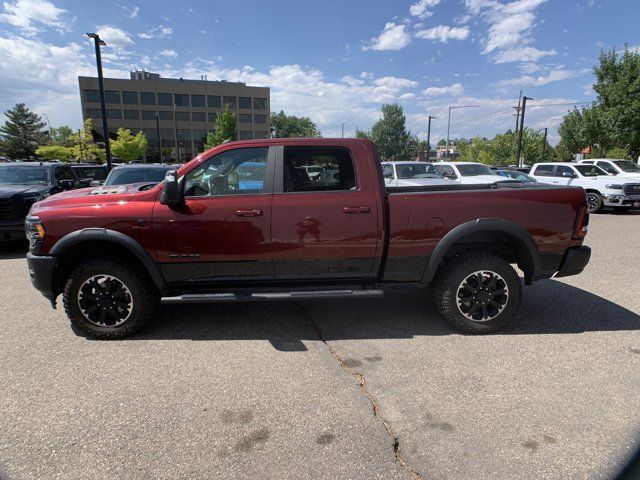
(82, 145)
(289, 126)
(21, 133)
(441, 143)
(60, 135)
(54, 152)
(392, 139)
(226, 129)
(129, 147)
(362, 134)
(617, 152)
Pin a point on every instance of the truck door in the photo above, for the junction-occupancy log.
(221, 232)
(325, 227)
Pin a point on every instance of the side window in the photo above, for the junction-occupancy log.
(387, 171)
(64, 173)
(543, 170)
(234, 172)
(607, 167)
(448, 172)
(562, 171)
(317, 169)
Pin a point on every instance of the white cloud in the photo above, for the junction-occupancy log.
(444, 33)
(395, 82)
(523, 54)
(114, 37)
(393, 37)
(161, 31)
(556, 75)
(453, 90)
(30, 15)
(168, 52)
(421, 8)
(134, 13)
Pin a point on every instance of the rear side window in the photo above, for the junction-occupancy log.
(544, 170)
(562, 171)
(317, 170)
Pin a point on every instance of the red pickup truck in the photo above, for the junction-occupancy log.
(298, 218)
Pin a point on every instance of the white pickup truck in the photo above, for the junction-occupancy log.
(467, 172)
(615, 166)
(619, 192)
(411, 174)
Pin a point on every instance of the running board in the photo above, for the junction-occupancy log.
(247, 297)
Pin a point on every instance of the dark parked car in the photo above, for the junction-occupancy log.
(88, 173)
(137, 173)
(22, 184)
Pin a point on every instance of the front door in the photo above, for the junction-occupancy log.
(324, 227)
(222, 231)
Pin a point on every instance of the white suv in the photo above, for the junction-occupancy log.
(411, 174)
(602, 190)
(615, 166)
(467, 172)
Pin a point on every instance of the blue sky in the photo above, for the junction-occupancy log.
(335, 61)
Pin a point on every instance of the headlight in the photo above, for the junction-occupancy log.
(34, 230)
(615, 187)
(36, 197)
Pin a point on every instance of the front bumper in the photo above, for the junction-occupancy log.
(12, 231)
(621, 200)
(41, 271)
(574, 261)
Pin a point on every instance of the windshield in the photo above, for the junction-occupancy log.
(589, 170)
(627, 166)
(125, 176)
(26, 175)
(473, 169)
(412, 170)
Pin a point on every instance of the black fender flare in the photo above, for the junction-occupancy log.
(477, 226)
(112, 236)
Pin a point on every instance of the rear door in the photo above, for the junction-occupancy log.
(325, 228)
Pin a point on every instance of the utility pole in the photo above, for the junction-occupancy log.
(524, 106)
(517, 109)
(159, 139)
(544, 144)
(343, 124)
(103, 107)
(175, 128)
(429, 137)
(446, 152)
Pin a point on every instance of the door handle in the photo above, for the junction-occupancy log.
(249, 213)
(352, 210)
(556, 181)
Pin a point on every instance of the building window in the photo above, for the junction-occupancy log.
(130, 98)
(147, 98)
(245, 135)
(230, 102)
(259, 119)
(113, 113)
(182, 116)
(112, 97)
(212, 117)
(213, 101)
(168, 137)
(198, 117)
(199, 139)
(165, 99)
(197, 100)
(182, 99)
(152, 136)
(244, 102)
(131, 115)
(148, 115)
(244, 118)
(92, 96)
(94, 113)
(166, 115)
(260, 103)
(261, 134)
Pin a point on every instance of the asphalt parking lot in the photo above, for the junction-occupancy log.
(332, 389)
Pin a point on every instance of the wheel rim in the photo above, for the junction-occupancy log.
(482, 296)
(105, 301)
(592, 201)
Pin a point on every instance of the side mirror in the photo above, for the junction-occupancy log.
(96, 183)
(67, 184)
(85, 182)
(172, 192)
(450, 176)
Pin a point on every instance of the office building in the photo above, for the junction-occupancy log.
(186, 109)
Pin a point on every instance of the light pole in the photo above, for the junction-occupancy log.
(449, 123)
(429, 137)
(524, 106)
(107, 149)
(48, 123)
(159, 139)
(343, 124)
(544, 144)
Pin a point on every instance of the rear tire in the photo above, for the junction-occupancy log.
(478, 293)
(594, 202)
(105, 298)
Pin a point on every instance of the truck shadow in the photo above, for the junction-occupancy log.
(13, 250)
(549, 307)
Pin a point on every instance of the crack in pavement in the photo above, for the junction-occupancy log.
(365, 391)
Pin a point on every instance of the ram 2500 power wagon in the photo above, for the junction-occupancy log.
(245, 221)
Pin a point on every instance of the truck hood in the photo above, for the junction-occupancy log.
(92, 195)
(611, 180)
(18, 191)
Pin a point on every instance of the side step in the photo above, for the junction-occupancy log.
(248, 297)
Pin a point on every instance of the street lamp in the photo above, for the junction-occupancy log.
(48, 123)
(524, 106)
(343, 124)
(449, 122)
(429, 137)
(107, 149)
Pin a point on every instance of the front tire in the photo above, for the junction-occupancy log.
(105, 298)
(594, 202)
(478, 293)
